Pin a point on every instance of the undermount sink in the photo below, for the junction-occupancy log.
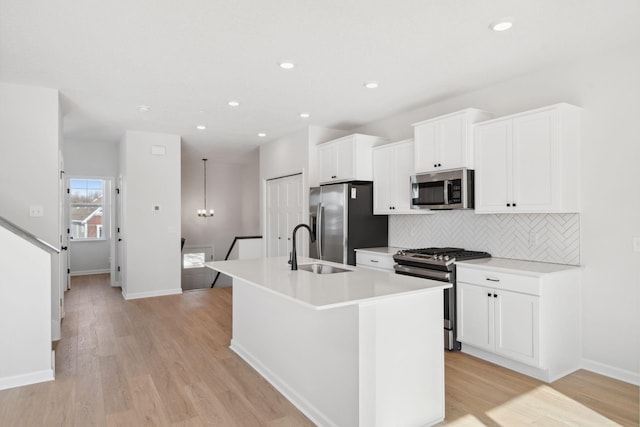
(318, 268)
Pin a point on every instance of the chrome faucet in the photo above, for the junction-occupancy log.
(294, 259)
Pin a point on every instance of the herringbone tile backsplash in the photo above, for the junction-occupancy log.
(503, 236)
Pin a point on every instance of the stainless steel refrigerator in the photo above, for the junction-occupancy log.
(341, 218)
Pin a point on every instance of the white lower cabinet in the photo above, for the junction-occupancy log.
(499, 321)
(524, 318)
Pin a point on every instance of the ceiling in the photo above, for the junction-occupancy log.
(186, 59)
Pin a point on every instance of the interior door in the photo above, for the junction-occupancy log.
(284, 206)
(272, 218)
(63, 258)
(119, 233)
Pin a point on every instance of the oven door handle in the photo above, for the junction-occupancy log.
(443, 276)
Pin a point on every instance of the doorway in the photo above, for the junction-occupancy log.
(90, 225)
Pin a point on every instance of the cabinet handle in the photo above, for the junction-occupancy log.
(514, 205)
(508, 205)
(439, 165)
(373, 260)
(334, 176)
(492, 280)
(489, 294)
(495, 295)
(435, 165)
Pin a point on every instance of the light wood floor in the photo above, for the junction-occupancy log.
(165, 361)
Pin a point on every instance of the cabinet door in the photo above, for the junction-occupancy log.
(403, 164)
(517, 328)
(451, 150)
(345, 159)
(327, 163)
(382, 180)
(475, 315)
(493, 167)
(426, 139)
(535, 162)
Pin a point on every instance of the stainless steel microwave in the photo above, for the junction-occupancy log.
(443, 190)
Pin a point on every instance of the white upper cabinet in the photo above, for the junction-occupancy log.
(392, 170)
(347, 159)
(445, 142)
(529, 162)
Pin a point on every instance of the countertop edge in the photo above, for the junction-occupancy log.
(216, 265)
(519, 266)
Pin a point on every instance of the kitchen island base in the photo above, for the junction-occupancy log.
(374, 363)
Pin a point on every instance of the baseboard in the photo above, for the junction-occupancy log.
(26, 379)
(611, 371)
(537, 373)
(315, 415)
(89, 272)
(151, 294)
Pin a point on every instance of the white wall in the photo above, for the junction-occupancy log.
(25, 312)
(151, 239)
(29, 169)
(232, 191)
(608, 89)
(90, 159)
(291, 154)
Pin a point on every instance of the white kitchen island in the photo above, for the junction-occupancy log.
(357, 348)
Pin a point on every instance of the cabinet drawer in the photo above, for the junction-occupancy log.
(368, 259)
(499, 280)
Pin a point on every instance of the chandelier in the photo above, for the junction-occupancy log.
(204, 212)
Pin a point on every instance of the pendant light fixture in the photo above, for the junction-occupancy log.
(204, 212)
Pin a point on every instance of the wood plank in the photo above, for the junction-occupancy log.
(166, 361)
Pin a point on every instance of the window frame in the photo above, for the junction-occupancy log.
(106, 210)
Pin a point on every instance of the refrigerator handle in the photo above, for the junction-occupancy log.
(319, 229)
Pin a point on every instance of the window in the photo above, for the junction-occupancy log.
(87, 208)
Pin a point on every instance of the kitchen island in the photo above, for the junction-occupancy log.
(355, 348)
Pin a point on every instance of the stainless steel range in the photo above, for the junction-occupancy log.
(438, 264)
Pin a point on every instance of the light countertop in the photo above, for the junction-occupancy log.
(389, 250)
(516, 266)
(323, 291)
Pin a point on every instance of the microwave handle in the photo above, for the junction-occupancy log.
(447, 190)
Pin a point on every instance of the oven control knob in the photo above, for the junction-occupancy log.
(446, 257)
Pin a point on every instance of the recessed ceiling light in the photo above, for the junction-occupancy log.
(233, 103)
(144, 108)
(201, 127)
(287, 65)
(502, 25)
(371, 85)
(305, 115)
(262, 134)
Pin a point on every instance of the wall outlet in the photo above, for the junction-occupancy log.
(36, 210)
(533, 239)
(636, 244)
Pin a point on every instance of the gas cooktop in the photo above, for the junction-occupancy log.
(436, 256)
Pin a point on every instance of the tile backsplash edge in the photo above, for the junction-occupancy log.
(551, 238)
